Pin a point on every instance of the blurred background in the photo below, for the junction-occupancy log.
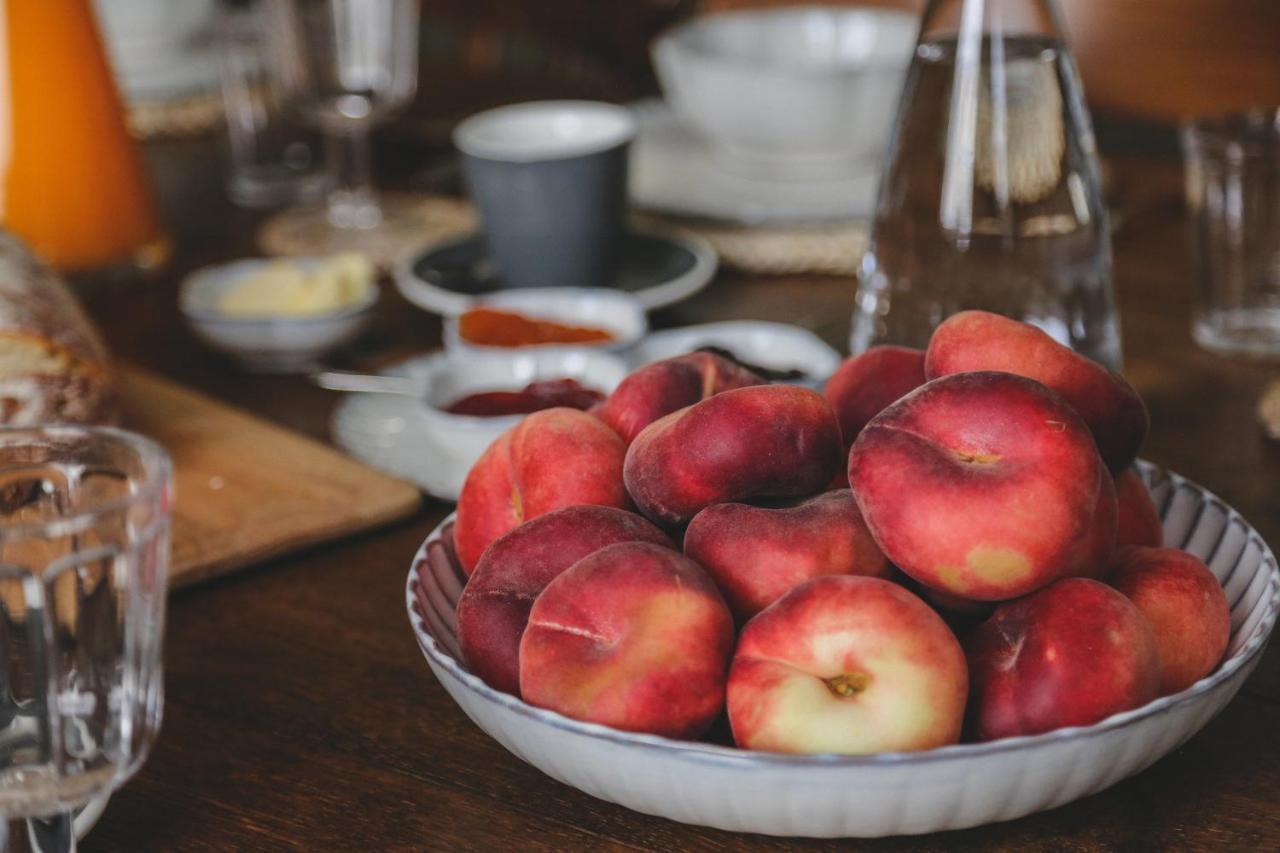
(1142, 62)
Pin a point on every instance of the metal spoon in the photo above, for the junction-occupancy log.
(368, 383)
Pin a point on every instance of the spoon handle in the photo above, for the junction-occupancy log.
(367, 383)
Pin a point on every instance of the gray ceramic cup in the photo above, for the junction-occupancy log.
(550, 181)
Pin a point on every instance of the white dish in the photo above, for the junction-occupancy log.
(615, 312)
(409, 438)
(267, 344)
(657, 268)
(160, 50)
(674, 170)
(777, 346)
(878, 795)
(802, 92)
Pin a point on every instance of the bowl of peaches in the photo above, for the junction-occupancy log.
(943, 592)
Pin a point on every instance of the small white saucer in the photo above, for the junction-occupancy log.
(673, 170)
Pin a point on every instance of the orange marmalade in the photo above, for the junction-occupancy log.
(494, 328)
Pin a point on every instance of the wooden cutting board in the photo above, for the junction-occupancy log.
(246, 489)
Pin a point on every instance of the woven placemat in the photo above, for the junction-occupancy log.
(432, 219)
(820, 249)
(178, 119)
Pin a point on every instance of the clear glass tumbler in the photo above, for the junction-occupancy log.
(1233, 198)
(991, 196)
(271, 159)
(84, 558)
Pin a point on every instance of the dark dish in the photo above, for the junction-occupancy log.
(763, 372)
(544, 394)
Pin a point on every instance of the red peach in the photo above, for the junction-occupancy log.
(663, 387)
(847, 664)
(864, 385)
(1094, 558)
(1185, 605)
(1071, 654)
(978, 340)
(758, 554)
(981, 485)
(494, 607)
(551, 459)
(762, 441)
(634, 636)
(1139, 521)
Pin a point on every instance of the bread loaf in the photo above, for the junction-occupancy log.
(53, 366)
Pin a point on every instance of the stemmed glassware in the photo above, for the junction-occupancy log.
(342, 66)
(84, 560)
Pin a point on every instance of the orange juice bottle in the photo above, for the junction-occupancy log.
(71, 180)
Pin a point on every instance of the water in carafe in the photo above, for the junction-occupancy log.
(991, 197)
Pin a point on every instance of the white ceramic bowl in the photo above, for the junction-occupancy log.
(777, 346)
(449, 377)
(267, 344)
(876, 795)
(798, 91)
(612, 310)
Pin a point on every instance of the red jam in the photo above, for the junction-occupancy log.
(536, 396)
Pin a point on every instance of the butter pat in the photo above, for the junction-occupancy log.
(287, 288)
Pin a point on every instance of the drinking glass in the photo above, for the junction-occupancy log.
(1233, 197)
(84, 556)
(271, 160)
(990, 197)
(344, 65)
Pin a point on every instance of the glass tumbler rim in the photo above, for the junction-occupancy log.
(156, 480)
(1234, 136)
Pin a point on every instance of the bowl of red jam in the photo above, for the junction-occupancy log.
(471, 399)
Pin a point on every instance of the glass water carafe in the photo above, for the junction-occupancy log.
(991, 195)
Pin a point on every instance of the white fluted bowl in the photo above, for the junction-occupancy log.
(877, 795)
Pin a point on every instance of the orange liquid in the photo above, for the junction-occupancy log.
(71, 180)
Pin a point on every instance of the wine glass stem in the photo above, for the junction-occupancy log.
(352, 202)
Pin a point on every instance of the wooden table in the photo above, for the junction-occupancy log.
(300, 714)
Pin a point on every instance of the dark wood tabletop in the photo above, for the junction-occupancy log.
(300, 714)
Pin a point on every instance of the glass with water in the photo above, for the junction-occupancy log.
(1233, 199)
(991, 196)
(84, 558)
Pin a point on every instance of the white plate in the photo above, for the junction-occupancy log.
(659, 268)
(673, 170)
(876, 795)
(778, 346)
(407, 438)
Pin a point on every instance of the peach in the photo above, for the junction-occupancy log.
(634, 636)
(984, 486)
(865, 384)
(847, 664)
(494, 607)
(762, 441)
(550, 459)
(1094, 558)
(1185, 605)
(977, 340)
(758, 554)
(1139, 521)
(665, 386)
(1071, 654)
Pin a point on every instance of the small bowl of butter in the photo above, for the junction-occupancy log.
(281, 315)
